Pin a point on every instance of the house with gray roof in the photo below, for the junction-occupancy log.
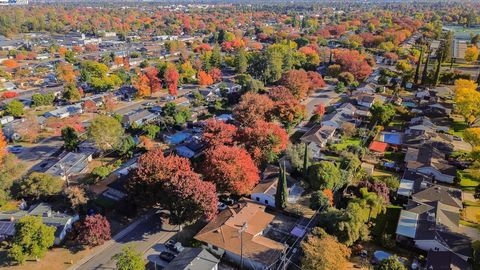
(194, 259)
(430, 222)
(61, 221)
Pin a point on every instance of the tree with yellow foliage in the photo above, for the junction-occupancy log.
(142, 84)
(471, 54)
(467, 100)
(323, 252)
(472, 136)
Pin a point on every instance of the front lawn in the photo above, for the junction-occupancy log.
(457, 128)
(468, 180)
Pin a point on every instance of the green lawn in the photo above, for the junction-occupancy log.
(397, 157)
(468, 180)
(345, 143)
(457, 128)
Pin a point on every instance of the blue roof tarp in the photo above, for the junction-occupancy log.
(178, 138)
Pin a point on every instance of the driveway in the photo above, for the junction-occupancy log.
(34, 155)
(141, 236)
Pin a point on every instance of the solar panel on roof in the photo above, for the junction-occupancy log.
(407, 224)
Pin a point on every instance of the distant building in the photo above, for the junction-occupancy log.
(459, 48)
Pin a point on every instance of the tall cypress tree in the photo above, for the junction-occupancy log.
(425, 70)
(305, 162)
(478, 78)
(417, 70)
(281, 195)
(437, 71)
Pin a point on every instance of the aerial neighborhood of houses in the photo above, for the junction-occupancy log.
(315, 135)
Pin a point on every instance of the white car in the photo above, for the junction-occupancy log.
(221, 206)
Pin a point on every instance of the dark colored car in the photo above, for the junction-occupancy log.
(170, 244)
(167, 256)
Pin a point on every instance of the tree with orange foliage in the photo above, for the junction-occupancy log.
(146, 142)
(354, 62)
(264, 141)
(216, 74)
(77, 49)
(118, 60)
(252, 108)
(204, 78)
(91, 47)
(62, 51)
(297, 82)
(320, 110)
(155, 84)
(10, 63)
(142, 84)
(171, 78)
(231, 169)
(218, 132)
(65, 73)
(329, 194)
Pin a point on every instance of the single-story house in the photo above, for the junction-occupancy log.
(138, 118)
(319, 135)
(239, 232)
(265, 191)
(61, 221)
(430, 161)
(379, 147)
(70, 164)
(66, 111)
(194, 259)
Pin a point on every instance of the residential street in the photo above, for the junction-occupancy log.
(324, 96)
(141, 237)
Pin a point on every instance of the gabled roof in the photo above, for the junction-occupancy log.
(445, 260)
(224, 232)
(193, 259)
(448, 196)
(318, 134)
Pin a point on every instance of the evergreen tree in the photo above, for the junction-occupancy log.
(437, 71)
(282, 194)
(241, 63)
(216, 58)
(417, 70)
(425, 70)
(447, 47)
(305, 162)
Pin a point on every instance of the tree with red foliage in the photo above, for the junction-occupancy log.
(287, 109)
(142, 84)
(9, 94)
(216, 74)
(90, 106)
(171, 78)
(252, 108)
(152, 75)
(379, 187)
(3, 147)
(316, 80)
(204, 47)
(353, 62)
(231, 168)
(92, 231)
(204, 78)
(264, 141)
(170, 182)
(320, 110)
(218, 132)
(126, 63)
(91, 47)
(297, 82)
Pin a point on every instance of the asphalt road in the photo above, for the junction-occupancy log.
(146, 234)
(324, 96)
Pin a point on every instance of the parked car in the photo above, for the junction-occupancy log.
(167, 256)
(178, 247)
(170, 244)
(16, 149)
(221, 206)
